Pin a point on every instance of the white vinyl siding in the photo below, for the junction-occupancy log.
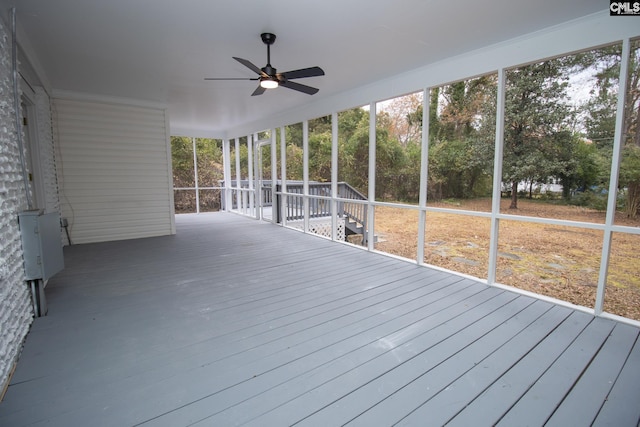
(113, 170)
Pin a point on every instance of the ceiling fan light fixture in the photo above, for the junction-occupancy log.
(269, 83)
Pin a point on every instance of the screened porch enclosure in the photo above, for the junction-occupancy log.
(234, 321)
(443, 163)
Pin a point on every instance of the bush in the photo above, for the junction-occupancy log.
(591, 199)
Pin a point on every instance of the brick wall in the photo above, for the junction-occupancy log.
(15, 301)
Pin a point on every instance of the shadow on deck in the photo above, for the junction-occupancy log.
(234, 321)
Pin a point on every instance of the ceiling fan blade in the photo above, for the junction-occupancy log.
(230, 78)
(259, 91)
(300, 88)
(302, 73)
(249, 65)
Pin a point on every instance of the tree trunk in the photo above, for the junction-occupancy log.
(633, 199)
(514, 195)
(566, 188)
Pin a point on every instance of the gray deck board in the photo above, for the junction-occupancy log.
(535, 406)
(582, 404)
(381, 387)
(617, 411)
(234, 321)
(330, 361)
(520, 373)
(396, 355)
(403, 405)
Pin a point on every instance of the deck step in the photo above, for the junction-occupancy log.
(355, 228)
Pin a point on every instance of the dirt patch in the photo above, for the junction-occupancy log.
(558, 261)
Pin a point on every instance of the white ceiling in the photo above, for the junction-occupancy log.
(161, 50)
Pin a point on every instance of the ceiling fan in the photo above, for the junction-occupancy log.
(269, 78)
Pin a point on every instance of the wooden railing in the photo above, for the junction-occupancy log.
(321, 207)
(319, 202)
(294, 205)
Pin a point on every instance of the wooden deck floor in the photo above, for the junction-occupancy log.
(234, 322)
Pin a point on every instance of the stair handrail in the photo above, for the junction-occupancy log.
(355, 211)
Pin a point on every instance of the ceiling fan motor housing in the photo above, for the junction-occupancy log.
(269, 70)
(268, 38)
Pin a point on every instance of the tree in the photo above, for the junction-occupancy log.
(390, 163)
(182, 160)
(588, 165)
(400, 118)
(294, 155)
(461, 138)
(459, 169)
(601, 116)
(320, 156)
(535, 110)
(353, 148)
(408, 185)
(209, 158)
(320, 145)
(630, 167)
(355, 157)
(630, 176)
(210, 172)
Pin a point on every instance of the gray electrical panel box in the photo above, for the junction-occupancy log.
(41, 244)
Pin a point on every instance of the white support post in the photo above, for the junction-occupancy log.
(305, 174)
(257, 162)
(238, 176)
(283, 176)
(372, 178)
(226, 162)
(618, 143)
(250, 175)
(172, 200)
(497, 178)
(274, 176)
(195, 173)
(334, 176)
(424, 171)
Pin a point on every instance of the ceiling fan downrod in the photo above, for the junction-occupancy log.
(268, 39)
